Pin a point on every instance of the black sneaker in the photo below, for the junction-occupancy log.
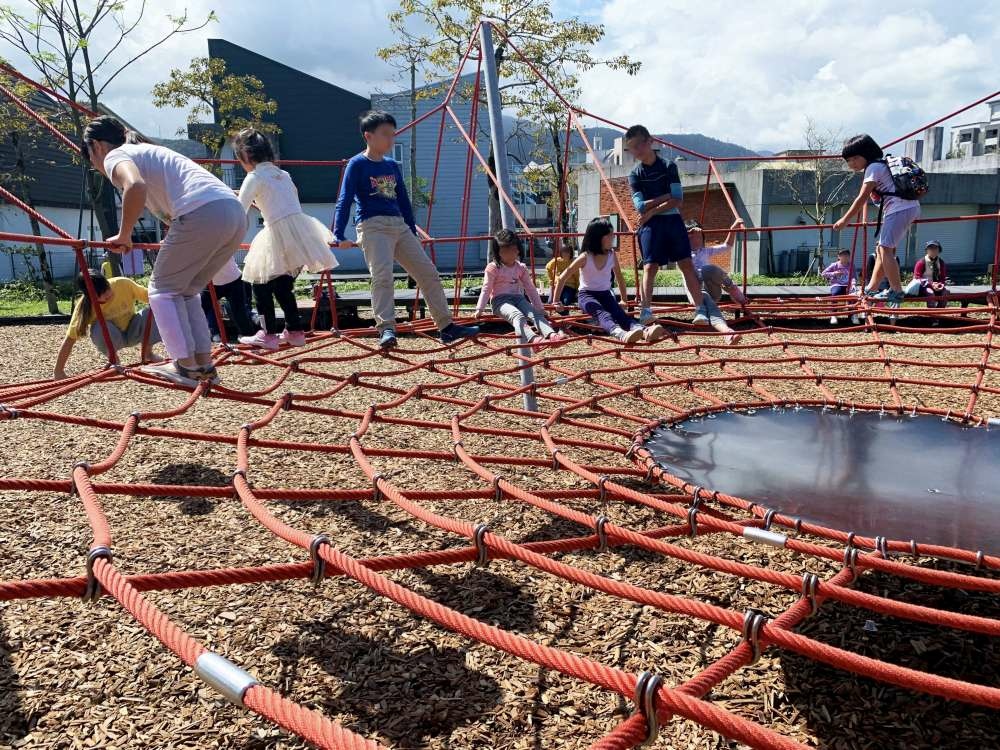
(453, 332)
(388, 339)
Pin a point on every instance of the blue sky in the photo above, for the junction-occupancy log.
(749, 72)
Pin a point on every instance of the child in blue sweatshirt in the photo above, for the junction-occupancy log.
(387, 232)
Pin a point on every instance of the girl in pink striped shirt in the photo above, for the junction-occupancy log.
(510, 292)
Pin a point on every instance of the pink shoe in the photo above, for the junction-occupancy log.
(293, 338)
(262, 340)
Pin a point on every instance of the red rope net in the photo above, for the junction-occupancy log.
(597, 400)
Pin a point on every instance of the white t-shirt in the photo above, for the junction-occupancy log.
(229, 273)
(272, 190)
(879, 173)
(175, 185)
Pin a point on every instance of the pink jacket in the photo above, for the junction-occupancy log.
(500, 280)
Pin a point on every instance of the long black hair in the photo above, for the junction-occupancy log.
(101, 286)
(108, 129)
(505, 238)
(864, 146)
(253, 146)
(596, 231)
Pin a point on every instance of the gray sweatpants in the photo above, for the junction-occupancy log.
(519, 312)
(197, 246)
(131, 336)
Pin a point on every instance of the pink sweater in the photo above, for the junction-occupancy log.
(500, 280)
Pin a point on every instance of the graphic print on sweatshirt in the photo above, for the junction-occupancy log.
(384, 186)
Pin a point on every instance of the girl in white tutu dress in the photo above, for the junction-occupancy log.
(289, 242)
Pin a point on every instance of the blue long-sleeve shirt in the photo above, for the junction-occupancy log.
(378, 189)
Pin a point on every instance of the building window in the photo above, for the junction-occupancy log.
(992, 133)
(965, 138)
(397, 152)
(598, 143)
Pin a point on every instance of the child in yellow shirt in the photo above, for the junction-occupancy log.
(554, 269)
(117, 298)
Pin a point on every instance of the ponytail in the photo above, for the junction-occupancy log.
(253, 146)
(101, 286)
(134, 136)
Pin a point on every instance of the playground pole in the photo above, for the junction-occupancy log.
(502, 173)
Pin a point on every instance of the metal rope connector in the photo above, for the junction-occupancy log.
(769, 518)
(810, 582)
(692, 518)
(479, 539)
(753, 623)
(497, 490)
(93, 588)
(882, 547)
(319, 564)
(9, 410)
(600, 526)
(645, 702)
(602, 482)
(376, 492)
(228, 679)
(851, 559)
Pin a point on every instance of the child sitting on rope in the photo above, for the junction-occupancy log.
(555, 267)
(840, 276)
(126, 327)
(290, 241)
(595, 298)
(509, 290)
(713, 278)
(930, 276)
(387, 231)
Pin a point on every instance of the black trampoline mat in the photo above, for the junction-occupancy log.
(904, 478)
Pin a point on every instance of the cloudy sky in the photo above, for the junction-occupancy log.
(749, 72)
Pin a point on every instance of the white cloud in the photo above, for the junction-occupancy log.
(753, 72)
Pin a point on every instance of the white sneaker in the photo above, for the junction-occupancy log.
(634, 335)
(700, 318)
(654, 333)
(262, 340)
(834, 320)
(855, 319)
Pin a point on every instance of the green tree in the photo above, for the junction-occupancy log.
(235, 101)
(558, 48)
(59, 37)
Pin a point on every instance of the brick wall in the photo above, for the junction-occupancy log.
(717, 215)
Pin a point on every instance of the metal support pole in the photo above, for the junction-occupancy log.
(502, 172)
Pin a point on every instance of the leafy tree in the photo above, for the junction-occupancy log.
(558, 48)
(235, 101)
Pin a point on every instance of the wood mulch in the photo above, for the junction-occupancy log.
(85, 676)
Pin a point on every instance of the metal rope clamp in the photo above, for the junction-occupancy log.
(9, 410)
(753, 623)
(602, 482)
(497, 490)
(851, 559)
(810, 582)
(92, 592)
(319, 564)
(376, 492)
(645, 701)
(696, 497)
(454, 448)
(479, 539)
(73, 489)
(600, 526)
(769, 518)
(555, 459)
(882, 546)
(693, 520)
